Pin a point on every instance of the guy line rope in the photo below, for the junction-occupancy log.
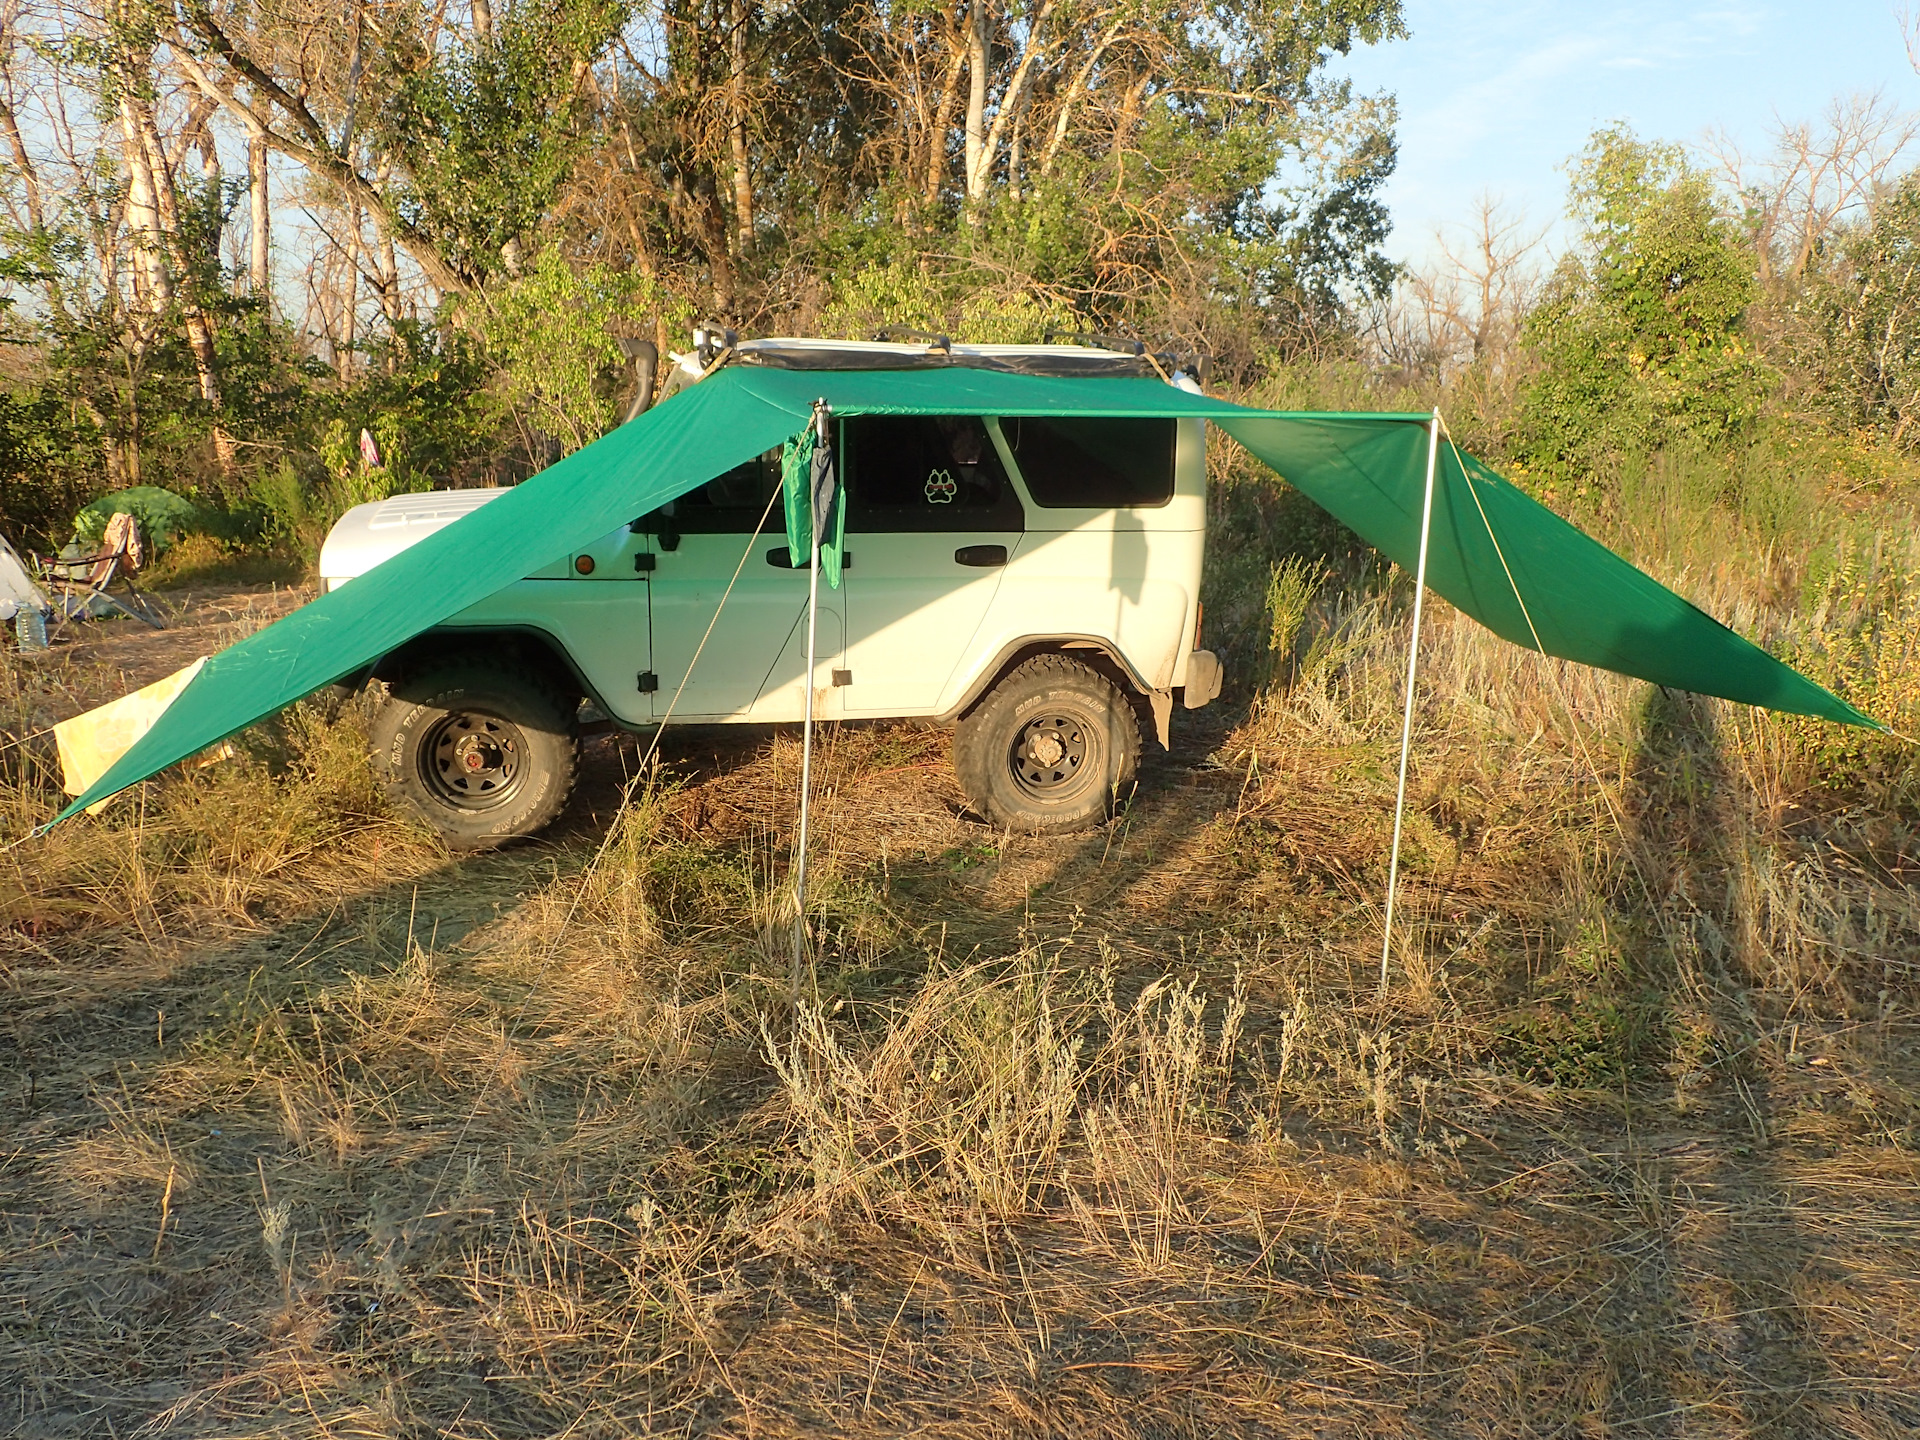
(1436, 425)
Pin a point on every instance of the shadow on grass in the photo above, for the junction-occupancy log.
(1712, 1316)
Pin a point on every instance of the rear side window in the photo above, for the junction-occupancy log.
(1093, 464)
(925, 472)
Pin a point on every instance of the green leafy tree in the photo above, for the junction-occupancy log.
(1854, 334)
(1639, 339)
(999, 166)
(552, 333)
(485, 134)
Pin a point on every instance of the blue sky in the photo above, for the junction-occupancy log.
(1495, 95)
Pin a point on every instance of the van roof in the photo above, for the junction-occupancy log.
(938, 352)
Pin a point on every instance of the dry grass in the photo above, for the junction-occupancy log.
(312, 1131)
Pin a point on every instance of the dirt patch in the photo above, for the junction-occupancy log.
(99, 660)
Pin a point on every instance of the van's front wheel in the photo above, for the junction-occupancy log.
(1052, 748)
(484, 752)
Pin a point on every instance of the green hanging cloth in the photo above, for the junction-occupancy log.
(816, 514)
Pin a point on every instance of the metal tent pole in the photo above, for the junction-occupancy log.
(806, 732)
(1413, 666)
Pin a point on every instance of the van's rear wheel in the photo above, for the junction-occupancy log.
(1052, 748)
(483, 751)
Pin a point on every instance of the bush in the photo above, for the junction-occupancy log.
(49, 462)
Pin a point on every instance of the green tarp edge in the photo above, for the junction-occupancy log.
(1367, 470)
(1582, 601)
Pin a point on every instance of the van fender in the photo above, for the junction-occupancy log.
(1155, 702)
(527, 643)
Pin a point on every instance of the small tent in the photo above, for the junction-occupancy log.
(17, 590)
(1495, 553)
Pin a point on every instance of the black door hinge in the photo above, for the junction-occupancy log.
(843, 677)
(643, 563)
(649, 682)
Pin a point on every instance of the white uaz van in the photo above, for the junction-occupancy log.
(1035, 580)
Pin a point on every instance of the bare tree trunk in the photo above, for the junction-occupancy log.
(129, 449)
(165, 204)
(259, 237)
(22, 161)
(1014, 98)
(152, 283)
(387, 268)
(979, 55)
(391, 304)
(166, 208)
(483, 22)
(936, 172)
(714, 221)
(1076, 91)
(741, 16)
(350, 299)
(1129, 117)
(210, 223)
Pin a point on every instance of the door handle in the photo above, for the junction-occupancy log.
(983, 556)
(782, 559)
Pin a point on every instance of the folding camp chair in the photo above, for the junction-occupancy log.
(79, 584)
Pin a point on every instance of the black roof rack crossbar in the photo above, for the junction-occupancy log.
(894, 334)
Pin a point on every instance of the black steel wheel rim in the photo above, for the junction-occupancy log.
(473, 760)
(1055, 755)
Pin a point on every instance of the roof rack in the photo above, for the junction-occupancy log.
(905, 349)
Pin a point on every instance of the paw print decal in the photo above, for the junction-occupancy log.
(941, 487)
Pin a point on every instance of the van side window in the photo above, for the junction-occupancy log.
(729, 504)
(925, 472)
(1093, 464)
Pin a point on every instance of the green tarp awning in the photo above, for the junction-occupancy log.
(1369, 471)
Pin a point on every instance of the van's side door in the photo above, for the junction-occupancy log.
(1115, 533)
(751, 666)
(931, 525)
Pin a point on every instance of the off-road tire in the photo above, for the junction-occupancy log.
(483, 751)
(1052, 748)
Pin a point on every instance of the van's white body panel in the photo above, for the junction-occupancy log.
(370, 533)
(910, 633)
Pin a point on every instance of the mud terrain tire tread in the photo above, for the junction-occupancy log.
(984, 742)
(522, 695)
